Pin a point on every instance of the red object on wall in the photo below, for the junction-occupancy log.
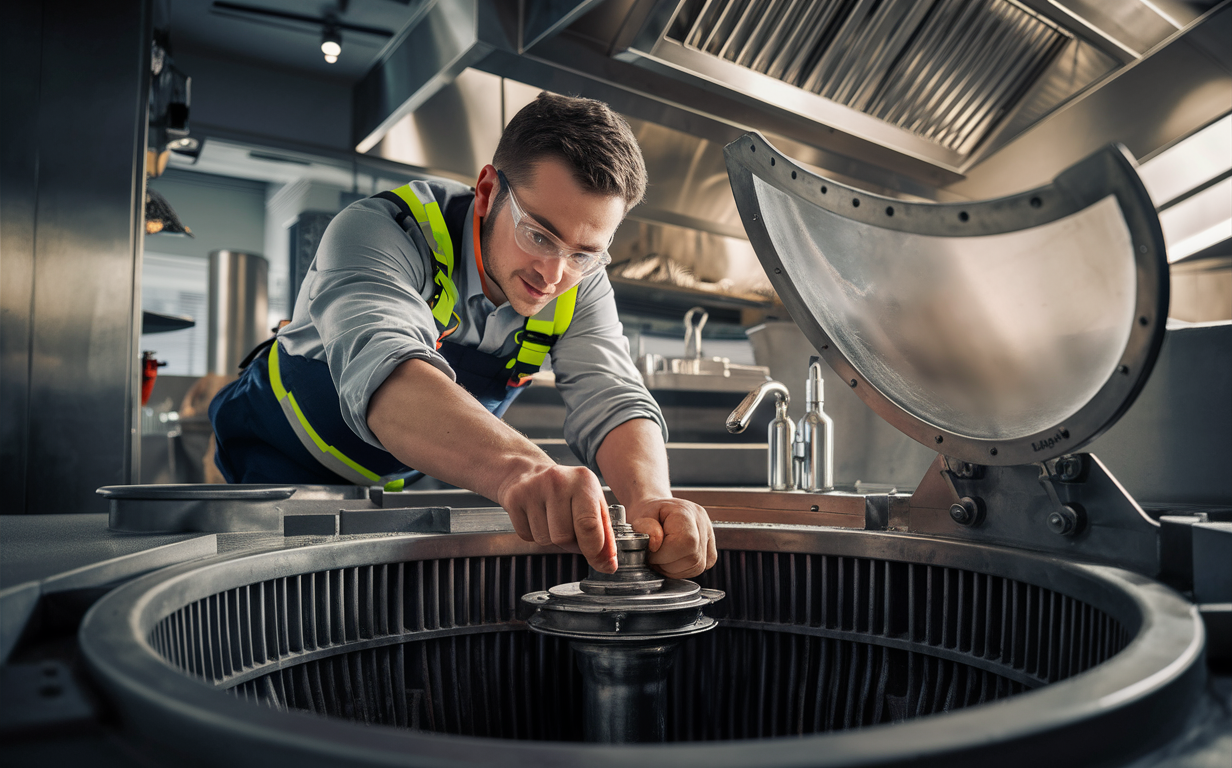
(149, 372)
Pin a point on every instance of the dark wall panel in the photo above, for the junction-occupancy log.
(74, 144)
(21, 31)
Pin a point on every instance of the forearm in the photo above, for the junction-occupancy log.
(433, 425)
(633, 461)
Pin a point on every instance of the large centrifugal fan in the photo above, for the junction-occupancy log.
(1005, 611)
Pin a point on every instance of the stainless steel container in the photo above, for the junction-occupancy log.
(238, 308)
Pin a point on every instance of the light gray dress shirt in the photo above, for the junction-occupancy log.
(363, 310)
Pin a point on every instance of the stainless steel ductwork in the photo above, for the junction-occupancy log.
(238, 308)
(835, 647)
(946, 72)
(931, 100)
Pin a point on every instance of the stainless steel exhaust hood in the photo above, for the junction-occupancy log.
(935, 77)
(911, 98)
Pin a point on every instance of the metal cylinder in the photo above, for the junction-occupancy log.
(624, 690)
(817, 436)
(238, 308)
(781, 438)
(624, 629)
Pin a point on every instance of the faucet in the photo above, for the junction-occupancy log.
(693, 336)
(816, 443)
(782, 432)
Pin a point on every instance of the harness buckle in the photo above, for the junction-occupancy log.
(538, 338)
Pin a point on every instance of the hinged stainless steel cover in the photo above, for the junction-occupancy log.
(999, 332)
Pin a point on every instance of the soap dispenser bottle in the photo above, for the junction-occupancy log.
(816, 435)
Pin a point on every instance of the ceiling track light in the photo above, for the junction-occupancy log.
(331, 44)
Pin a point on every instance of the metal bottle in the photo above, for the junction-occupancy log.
(816, 435)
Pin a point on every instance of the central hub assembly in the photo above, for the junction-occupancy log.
(624, 628)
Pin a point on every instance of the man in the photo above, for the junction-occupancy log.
(417, 291)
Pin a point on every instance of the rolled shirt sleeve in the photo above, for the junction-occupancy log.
(595, 375)
(364, 296)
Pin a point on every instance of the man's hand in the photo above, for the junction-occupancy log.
(564, 506)
(634, 463)
(435, 426)
(681, 537)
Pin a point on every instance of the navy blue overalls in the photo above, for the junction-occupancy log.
(281, 421)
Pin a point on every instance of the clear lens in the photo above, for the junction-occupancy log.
(539, 243)
(534, 241)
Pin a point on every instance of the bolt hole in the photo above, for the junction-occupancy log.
(1143, 321)
(855, 202)
(823, 189)
(1123, 370)
(962, 216)
(825, 346)
(1065, 433)
(853, 382)
(1036, 202)
(772, 161)
(778, 270)
(793, 174)
(890, 210)
(938, 439)
(814, 508)
(992, 451)
(752, 147)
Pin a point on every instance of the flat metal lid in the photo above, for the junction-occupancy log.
(1007, 331)
(198, 492)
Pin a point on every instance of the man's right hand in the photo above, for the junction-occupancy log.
(430, 423)
(554, 504)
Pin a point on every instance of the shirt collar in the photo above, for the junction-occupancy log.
(471, 245)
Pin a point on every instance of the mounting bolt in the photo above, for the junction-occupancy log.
(968, 511)
(1065, 521)
(1070, 468)
(966, 470)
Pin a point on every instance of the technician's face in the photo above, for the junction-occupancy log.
(559, 220)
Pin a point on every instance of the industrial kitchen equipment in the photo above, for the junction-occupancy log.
(1006, 610)
(624, 629)
(695, 372)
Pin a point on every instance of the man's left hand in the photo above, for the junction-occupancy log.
(681, 537)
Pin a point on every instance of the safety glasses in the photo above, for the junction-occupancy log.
(531, 237)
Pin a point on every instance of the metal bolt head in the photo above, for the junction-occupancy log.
(1069, 468)
(965, 469)
(967, 511)
(1064, 521)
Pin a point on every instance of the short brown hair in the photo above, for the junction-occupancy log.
(586, 134)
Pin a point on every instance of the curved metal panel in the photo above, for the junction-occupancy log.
(1000, 332)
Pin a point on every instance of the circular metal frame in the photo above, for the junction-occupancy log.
(1148, 687)
(1107, 172)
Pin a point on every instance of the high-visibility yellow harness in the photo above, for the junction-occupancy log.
(535, 340)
